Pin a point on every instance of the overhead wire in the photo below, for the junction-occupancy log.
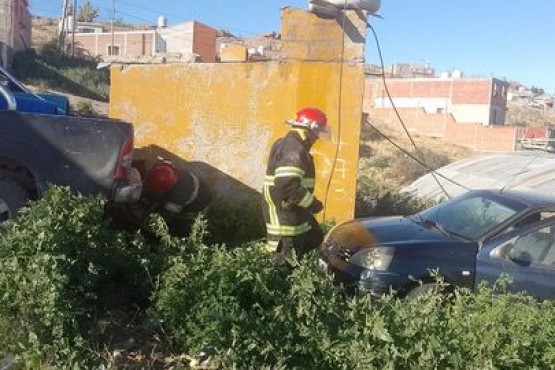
(378, 47)
(178, 18)
(520, 172)
(417, 160)
(339, 108)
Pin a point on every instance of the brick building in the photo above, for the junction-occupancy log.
(132, 44)
(189, 41)
(467, 100)
(15, 28)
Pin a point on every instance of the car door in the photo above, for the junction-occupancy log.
(527, 257)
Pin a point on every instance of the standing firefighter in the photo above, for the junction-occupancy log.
(290, 205)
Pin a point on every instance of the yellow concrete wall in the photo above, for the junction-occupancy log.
(224, 117)
(233, 53)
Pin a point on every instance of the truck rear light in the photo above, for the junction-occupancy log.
(125, 159)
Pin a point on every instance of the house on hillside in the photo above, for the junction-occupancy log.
(15, 28)
(467, 100)
(188, 41)
(192, 39)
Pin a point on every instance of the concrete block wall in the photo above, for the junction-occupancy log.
(131, 44)
(468, 99)
(221, 119)
(475, 136)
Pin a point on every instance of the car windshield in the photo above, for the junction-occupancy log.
(473, 215)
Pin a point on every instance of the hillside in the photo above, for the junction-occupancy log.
(519, 114)
(384, 168)
(44, 30)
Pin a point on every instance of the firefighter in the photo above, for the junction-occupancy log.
(177, 195)
(289, 204)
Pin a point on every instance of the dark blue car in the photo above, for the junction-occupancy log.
(471, 238)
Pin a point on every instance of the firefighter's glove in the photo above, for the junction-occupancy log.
(316, 206)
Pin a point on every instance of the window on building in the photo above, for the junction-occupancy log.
(86, 30)
(113, 50)
(495, 90)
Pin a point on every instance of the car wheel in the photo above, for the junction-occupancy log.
(421, 290)
(13, 197)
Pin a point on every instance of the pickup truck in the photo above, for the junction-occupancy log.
(41, 144)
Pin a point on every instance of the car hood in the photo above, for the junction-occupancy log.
(394, 231)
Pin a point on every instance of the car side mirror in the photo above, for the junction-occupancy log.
(523, 259)
(11, 102)
(502, 252)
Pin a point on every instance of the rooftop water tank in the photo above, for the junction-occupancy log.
(70, 25)
(445, 75)
(457, 74)
(162, 22)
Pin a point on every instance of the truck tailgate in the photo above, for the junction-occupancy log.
(65, 150)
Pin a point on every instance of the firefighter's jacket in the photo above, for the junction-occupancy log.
(289, 186)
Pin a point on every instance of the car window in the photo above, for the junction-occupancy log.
(536, 247)
(472, 217)
(530, 219)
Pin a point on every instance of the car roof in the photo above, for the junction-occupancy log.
(532, 198)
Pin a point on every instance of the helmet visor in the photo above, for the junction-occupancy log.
(324, 133)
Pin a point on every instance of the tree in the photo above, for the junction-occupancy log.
(87, 12)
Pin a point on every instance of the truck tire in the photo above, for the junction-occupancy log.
(13, 197)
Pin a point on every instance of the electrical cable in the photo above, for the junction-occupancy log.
(420, 162)
(339, 108)
(520, 172)
(177, 17)
(432, 172)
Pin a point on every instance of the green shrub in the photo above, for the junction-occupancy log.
(234, 224)
(245, 313)
(371, 200)
(241, 308)
(60, 267)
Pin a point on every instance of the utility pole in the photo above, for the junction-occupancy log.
(112, 25)
(74, 26)
(61, 36)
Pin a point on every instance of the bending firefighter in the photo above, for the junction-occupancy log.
(289, 203)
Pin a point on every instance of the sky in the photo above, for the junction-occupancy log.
(482, 38)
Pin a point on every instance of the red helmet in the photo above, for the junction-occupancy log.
(310, 118)
(161, 178)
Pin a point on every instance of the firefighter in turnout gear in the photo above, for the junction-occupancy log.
(289, 204)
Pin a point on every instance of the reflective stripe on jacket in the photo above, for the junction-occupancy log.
(289, 186)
